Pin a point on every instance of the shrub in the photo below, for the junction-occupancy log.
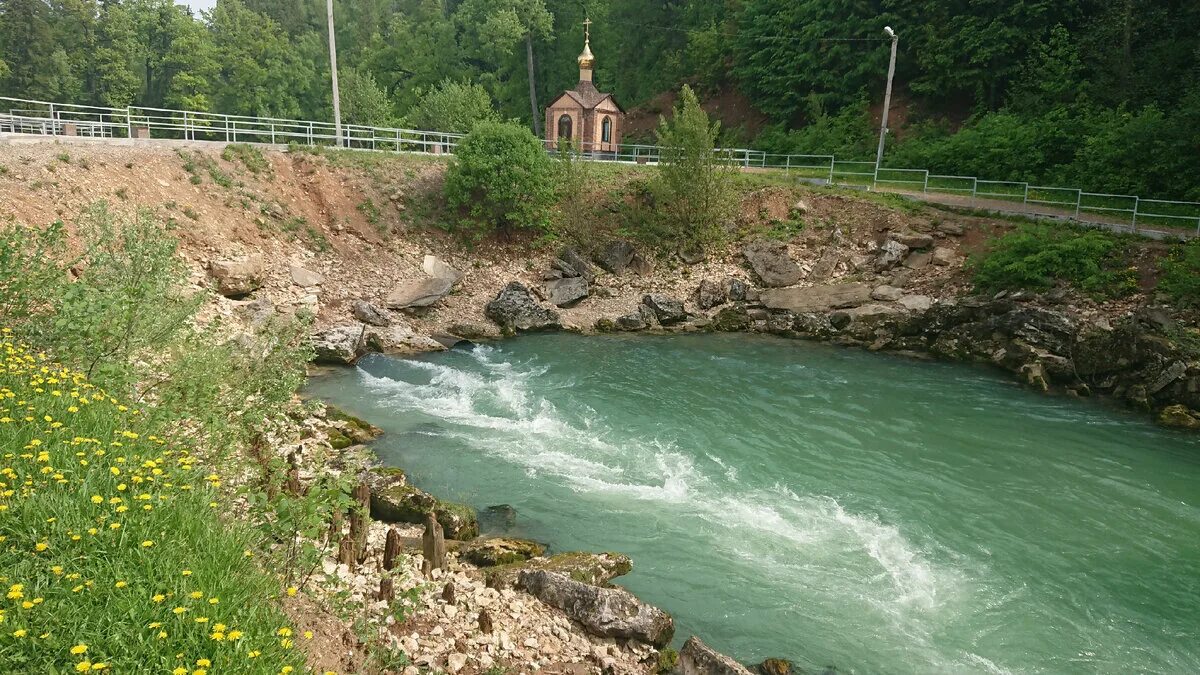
(1180, 278)
(1035, 256)
(694, 185)
(575, 218)
(453, 107)
(503, 179)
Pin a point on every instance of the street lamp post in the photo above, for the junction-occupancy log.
(887, 100)
(337, 100)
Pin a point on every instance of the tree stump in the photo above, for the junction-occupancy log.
(448, 593)
(346, 555)
(433, 545)
(391, 549)
(335, 526)
(359, 520)
(485, 621)
(387, 592)
(292, 485)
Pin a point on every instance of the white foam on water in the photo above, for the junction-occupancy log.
(497, 412)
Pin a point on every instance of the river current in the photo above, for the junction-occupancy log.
(831, 506)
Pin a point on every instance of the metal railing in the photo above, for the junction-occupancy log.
(1130, 213)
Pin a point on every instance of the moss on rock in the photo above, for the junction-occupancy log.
(338, 440)
(501, 551)
(354, 428)
(394, 501)
(596, 569)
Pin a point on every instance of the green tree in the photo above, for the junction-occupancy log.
(363, 102)
(502, 178)
(117, 84)
(453, 107)
(259, 69)
(694, 183)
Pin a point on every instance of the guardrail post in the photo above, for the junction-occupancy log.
(310, 138)
(1078, 202)
(53, 122)
(1137, 204)
(1025, 198)
(226, 128)
(272, 133)
(832, 161)
(925, 183)
(974, 187)
(129, 123)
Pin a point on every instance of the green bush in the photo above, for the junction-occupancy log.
(1036, 256)
(1180, 278)
(694, 186)
(502, 178)
(453, 107)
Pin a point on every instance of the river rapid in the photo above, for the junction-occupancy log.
(831, 506)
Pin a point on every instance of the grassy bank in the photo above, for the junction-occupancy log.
(123, 415)
(115, 553)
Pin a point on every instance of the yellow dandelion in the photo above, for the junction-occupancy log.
(83, 666)
(291, 591)
(147, 544)
(20, 633)
(234, 634)
(180, 671)
(122, 584)
(196, 595)
(79, 649)
(308, 635)
(179, 610)
(157, 597)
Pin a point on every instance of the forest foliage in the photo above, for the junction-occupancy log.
(1100, 94)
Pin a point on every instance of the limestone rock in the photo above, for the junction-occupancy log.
(1179, 416)
(257, 312)
(697, 658)
(944, 256)
(692, 255)
(474, 331)
(605, 612)
(369, 314)
(775, 667)
(402, 340)
(418, 294)
(616, 256)
(1169, 374)
(731, 320)
(770, 261)
(887, 294)
(919, 260)
(916, 303)
(890, 254)
(396, 502)
(359, 431)
(577, 265)
(631, 321)
(596, 569)
(817, 298)
(913, 240)
(953, 229)
(439, 269)
(495, 551)
(235, 278)
(515, 309)
(641, 265)
(738, 290)
(666, 310)
(342, 345)
(304, 278)
(566, 292)
(710, 294)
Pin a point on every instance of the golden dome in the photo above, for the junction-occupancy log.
(585, 58)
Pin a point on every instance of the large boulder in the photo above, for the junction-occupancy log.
(343, 345)
(398, 339)
(439, 269)
(697, 658)
(817, 298)
(566, 292)
(711, 294)
(605, 612)
(515, 309)
(235, 278)
(616, 256)
(495, 551)
(913, 240)
(631, 321)
(887, 294)
(394, 501)
(890, 254)
(731, 319)
(418, 294)
(1179, 416)
(770, 261)
(355, 428)
(666, 310)
(369, 314)
(596, 569)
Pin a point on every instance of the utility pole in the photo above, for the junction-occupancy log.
(337, 100)
(887, 99)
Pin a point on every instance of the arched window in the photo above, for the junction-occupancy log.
(564, 127)
(606, 130)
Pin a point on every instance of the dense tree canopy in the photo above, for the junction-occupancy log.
(1105, 91)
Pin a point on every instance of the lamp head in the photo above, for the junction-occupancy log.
(890, 33)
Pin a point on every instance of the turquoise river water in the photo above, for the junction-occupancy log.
(831, 506)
